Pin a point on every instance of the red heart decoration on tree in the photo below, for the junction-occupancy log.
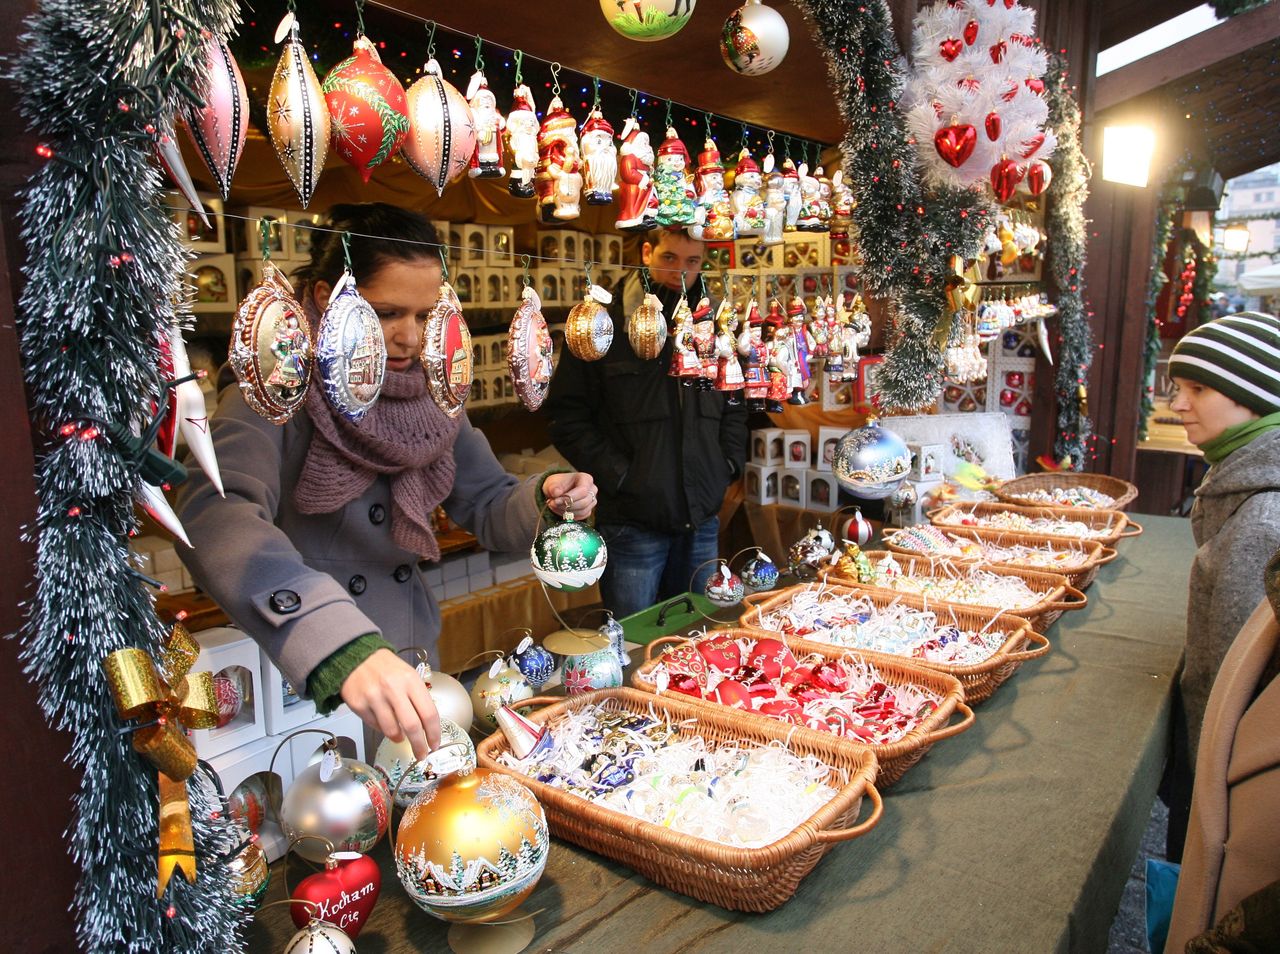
(1039, 175)
(950, 48)
(344, 894)
(955, 143)
(1035, 84)
(997, 51)
(1010, 92)
(721, 652)
(993, 126)
(971, 32)
(1005, 176)
(1008, 4)
(1031, 146)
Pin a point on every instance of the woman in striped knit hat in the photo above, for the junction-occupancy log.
(1227, 377)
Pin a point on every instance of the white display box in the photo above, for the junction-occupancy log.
(550, 286)
(797, 450)
(283, 716)
(836, 396)
(251, 794)
(475, 241)
(478, 354)
(455, 242)
(498, 288)
(432, 576)
(478, 562)
(496, 345)
(767, 447)
(574, 247)
(303, 232)
(609, 249)
(549, 253)
(480, 581)
(453, 568)
(515, 570)
(343, 723)
(575, 283)
(823, 490)
(466, 286)
(828, 438)
(761, 483)
(926, 462)
(500, 251)
(229, 652)
(455, 588)
(793, 489)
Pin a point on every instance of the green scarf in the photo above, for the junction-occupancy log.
(1237, 436)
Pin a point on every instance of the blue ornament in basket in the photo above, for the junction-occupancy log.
(871, 462)
(535, 663)
(759, 573)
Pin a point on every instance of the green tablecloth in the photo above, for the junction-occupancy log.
(1016, 836)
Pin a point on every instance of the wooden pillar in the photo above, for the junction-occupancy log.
(38, 877)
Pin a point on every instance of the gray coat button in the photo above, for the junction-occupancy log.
(377, 514)
(285, 602)
(356, 585)
(402, 573)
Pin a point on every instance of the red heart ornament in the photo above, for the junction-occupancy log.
(994, 125)
(1009, 4)
(772, 657)
(1031, 146)
(1010, 92)
(1039, 175)
(1035, 85)
(971, 32)
(797, 677)
(721, 653)
(731, 694)
(1005, 176)
(686, 661)
(955, 143)
(344, 894)
(787, 709)
(950, 49)
(998, 51)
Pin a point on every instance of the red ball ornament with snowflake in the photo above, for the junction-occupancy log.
(368, 111)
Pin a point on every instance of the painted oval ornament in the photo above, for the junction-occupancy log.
(529, 351)
(368, 110)
(351, 352)
(297, 115)
(647, 328)
(271, 350)
(588, 331)
(442, 131)
(446, 353)
(218, 128)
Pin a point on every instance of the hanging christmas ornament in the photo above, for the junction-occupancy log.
(529, 351)
(502, 684)
(1039, 175)
(249, 803)
(716, 208)
(452, 700)
(475, 849)
(351, 352)
(647, 328)
(535, 663)
(446, 352)
(153, 501)
(724, 588)
(955, 144)
(775, 203)
(759, 573)
(522, 139)
(870, 461)
(599, 159)
(748, 204)
(249, 874)
(811, 551)
(855, 529)
(588, 331)
(368, 109)
(297, 115)
(647, 20)
(673, 183)
(754, 39)
(188, 407)
(587, 672)
(229, 700)
(318, 937)
(395, 759)
(339, 799)
(486, 161)
(558, 177)
(637, 202)
(569, 556)
(271, 348)
(218, 127)
(343, 894)
(1005, 176)
(613, 631)
(442, 131)
(170, 157)
(524, 736)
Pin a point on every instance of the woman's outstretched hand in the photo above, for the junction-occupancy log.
(574, 493)
(390, 696)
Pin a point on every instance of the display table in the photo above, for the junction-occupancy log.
(1015, 836)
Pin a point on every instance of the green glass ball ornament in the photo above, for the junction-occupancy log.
(569, 556)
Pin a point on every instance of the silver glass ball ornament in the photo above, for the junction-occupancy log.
(343, 800)
(394, 759)
(871, 462)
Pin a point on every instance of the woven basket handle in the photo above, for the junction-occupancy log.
(1076, 599)
(1106, 555)
(1134, 529)
(1041, 647)
(660, 641)
(751, 599)
(830, 835)
(539, 701)
(947, 731)
(934, 512)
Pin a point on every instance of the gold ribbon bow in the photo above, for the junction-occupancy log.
(173, 699)
(963, 294)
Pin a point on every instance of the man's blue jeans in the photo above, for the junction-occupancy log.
(646, 567)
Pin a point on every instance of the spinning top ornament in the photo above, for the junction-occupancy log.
(395, 759)
(569, 556)
(724, 587)
(759, 573)
(501, 685)
(473, 850)
(344, 801)
(871, 462)
(535, 663)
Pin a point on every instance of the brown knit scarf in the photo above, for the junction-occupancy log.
(404, 435)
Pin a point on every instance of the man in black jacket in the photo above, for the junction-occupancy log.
(662, 453)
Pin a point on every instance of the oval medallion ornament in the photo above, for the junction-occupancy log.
(297, 116)
(442, 131)
(351, 351)
(446, 353)
(529, 351)
(647, 328)
(588, 331)
(271, 348)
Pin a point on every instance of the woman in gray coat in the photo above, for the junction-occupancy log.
(315, 549)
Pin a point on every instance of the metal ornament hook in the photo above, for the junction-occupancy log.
(479, 55)
(264, 233)
(346, 250)
(518, 56)
(444, 261)
(525, 260)
(431, 39)
(555, 78)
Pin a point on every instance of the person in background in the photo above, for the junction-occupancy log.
(663, 453)
(1226, 376)
(315, 550)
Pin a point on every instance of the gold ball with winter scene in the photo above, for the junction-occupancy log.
(473, 848)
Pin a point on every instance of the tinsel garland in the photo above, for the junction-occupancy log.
(906, 241)
(1066, 227)
(97, 80)
(1156, 281)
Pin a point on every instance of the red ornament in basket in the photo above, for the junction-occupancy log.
(772, 657)
(721, 652)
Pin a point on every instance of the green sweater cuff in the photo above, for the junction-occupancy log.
(324, 685)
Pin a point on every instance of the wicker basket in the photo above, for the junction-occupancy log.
(1096, 555)
(740, 879)
(894, 758)
(1117, 525)
(1058, 594)
(1013, 491)
(979, 680)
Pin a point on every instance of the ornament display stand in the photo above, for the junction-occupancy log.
(508, 936)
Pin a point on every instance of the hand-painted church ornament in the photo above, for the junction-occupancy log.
(446, 352)
(351, 351)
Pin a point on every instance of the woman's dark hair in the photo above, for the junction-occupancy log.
(404, 236)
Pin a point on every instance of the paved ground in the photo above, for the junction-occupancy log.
(1129, 929)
